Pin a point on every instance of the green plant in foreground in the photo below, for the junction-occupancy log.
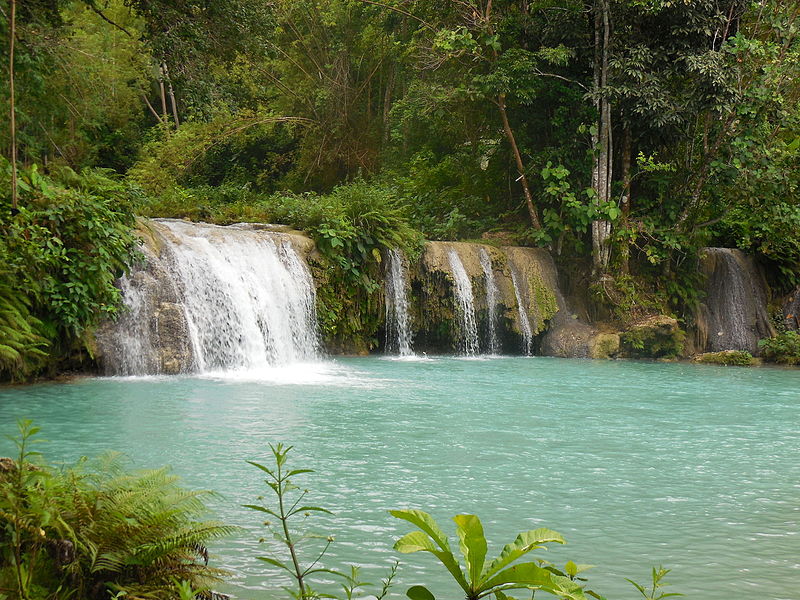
(499, 576)
(656, 585)
(93, 529)
(290, 507)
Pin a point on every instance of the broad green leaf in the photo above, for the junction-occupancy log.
(419, 592)
(522, 575)
(298, 472)
(418, 541)
(472, 544)
(426, 523)
(525, 542)
(262, 467)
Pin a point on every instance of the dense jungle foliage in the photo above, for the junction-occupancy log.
(620, 134)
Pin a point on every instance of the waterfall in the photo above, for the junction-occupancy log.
(466, 304)
(249, 300)
(398, 333)
(213, 299)
(132, 341)
(492, 293)
(735, 314)
(524, 322)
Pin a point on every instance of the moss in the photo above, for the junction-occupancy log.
(542, 301)
(654, 337)
(737, 358)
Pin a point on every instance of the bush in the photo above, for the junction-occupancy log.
(783, 348)
(94, 529)
(73, 236)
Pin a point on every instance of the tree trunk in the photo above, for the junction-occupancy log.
(171, 94)
(164, 113)
(12, 100)
(627, 151)
(602, 140)
(501, 104)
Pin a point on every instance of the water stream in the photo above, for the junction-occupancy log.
(398, 331)
(524, 321)
(465, 301)
(492, 295)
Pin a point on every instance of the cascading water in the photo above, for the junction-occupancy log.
(492, 293)
(735, 312)
(524, 322)
(249, 301)
(466, 304)
(133, 343)
(398, 332)
(213, 299)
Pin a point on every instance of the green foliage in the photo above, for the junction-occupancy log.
(92, 529)
(783, 348)
(478, 577)
(737, 358)
(61, 254)
(291, 508)
(657, 584)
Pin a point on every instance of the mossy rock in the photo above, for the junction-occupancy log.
(657, 336)
(604, 346)
(733, 358)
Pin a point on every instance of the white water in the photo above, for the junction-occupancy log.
(492, 294)
(247, 297)
(465, 301)
(398, 332)
(133, 344)
(524, 321)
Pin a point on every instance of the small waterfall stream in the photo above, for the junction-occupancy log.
(492, 295)
(398, 331)
(466, 304)
(735, 306)
(524, 321)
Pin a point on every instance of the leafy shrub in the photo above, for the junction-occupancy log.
(783, 348)
(73, 236)
(94, 528)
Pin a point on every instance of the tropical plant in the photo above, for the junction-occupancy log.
(477, 578)
(85, 531)
(657, 584)
(291, 507)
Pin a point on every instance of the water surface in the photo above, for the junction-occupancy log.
(636, 464)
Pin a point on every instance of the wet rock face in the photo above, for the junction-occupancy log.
(522, 283)
(791, 310)
(150, 335)
(733, 315)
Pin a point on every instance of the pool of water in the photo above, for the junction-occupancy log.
(637, 464)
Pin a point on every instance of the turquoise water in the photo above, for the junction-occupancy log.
(636, 464)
